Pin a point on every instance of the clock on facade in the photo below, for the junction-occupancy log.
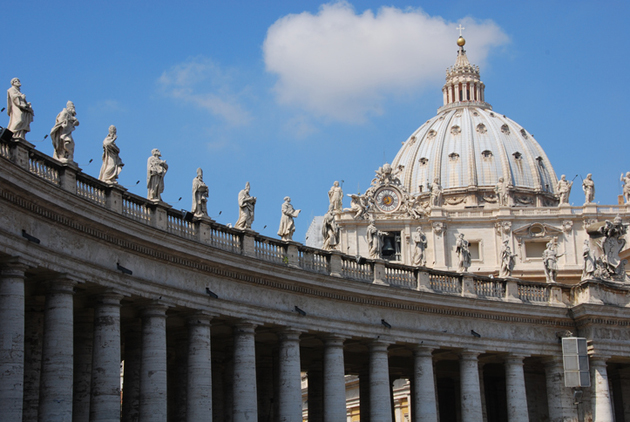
(387, 199)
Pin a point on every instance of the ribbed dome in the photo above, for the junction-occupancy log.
(472, 146)
(467, 145)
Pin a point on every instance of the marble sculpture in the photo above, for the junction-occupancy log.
(199, 196)
(19, 110)
(156, 170)
(112, 164)
(246, 205)
(287, 225)
(61, 133)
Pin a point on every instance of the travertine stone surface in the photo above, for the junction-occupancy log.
(105, 397)
(470, 393)
(515, 386)
(199, 388)
(12, 344)
(55, 402)
(424, 396)
(559, 398)
(334, 383)
(289, 394)
(380, 394)
(61, 133)
(245, 407)
(600, 396)
(152, 406)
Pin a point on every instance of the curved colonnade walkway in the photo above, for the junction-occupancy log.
(213, 323)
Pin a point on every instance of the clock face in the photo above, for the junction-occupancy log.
(387, 199)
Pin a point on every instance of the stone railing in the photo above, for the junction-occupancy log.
(159, 215)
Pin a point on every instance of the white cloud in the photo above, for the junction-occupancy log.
(201, 82)
(342, 65)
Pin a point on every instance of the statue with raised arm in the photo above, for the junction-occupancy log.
(199, 196)
(156, 170)
(626, 186)
(420, 241)
(61, 133)
(246, 205)
(613, 243)
(436, 193)
(330, 230)
(564, 190)
(462, 248)
(550, 260)
(19, 110)
(287, 225)
(588, 186)
(374, 239)
(112, 164)
(335, 196)
(507, 260)
(502, 190)
(358, 205)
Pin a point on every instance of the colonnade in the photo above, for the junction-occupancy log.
(79, 376)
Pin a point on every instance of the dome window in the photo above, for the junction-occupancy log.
(481, 128)
(456, 130)
(491, 114)
(412, 140)
(523, 133)
(475, 113)
(505, 129)
(423, 161)
(431, 134)
(453, 156)
(487, 155)
(518, 156)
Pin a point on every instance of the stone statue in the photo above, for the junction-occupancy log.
(199, 196)
(330, 230)
(246, 205)
(335, 196)
(588, 186)
(375, 239)
(564, 189)
(626, 186)
(112, 164)
(420, 241)
(462, 248)
(358, 205)
(19, 110)
(613, 243)
(287, 225)
(436, 193)
(413, 206)
(507, 260)
(61, 133)
(588, 270)
(502, 190)
(156, 170)
(386, 175)
(550, 260)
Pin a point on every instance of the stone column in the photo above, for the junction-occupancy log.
(133, 363)
(380, 392)
(316, 392)
(199, 387)
(55, 399)
(559, 397)
(424, 395)
(245, 400)
(470, 391)
(290, 394)
(105, 397)
(12, 343)
(515, 386)
(334, 380)
(601, 403)
(153, 393)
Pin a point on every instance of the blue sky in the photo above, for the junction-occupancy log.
(292, 96)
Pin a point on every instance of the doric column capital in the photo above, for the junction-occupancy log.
(423, 350)
(514, 359)
(63, 283)
(469, 355)
(598, 359)
(378, 345)
(244, 327)
(200, 318)
(334, 340)
(154, 309)
(289, 334)
(15, 266)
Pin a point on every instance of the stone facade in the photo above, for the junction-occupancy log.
(221, 323)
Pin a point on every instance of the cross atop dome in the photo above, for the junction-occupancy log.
(460, 28)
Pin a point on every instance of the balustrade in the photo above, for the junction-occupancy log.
(91, 192)
(272, 252)
(356, 270)
(445, 283)
(400, 277)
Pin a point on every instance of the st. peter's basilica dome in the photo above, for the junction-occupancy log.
(467, 146)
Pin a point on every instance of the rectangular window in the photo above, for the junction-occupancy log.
(390, 250)
(535, 249)
(474, 251)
